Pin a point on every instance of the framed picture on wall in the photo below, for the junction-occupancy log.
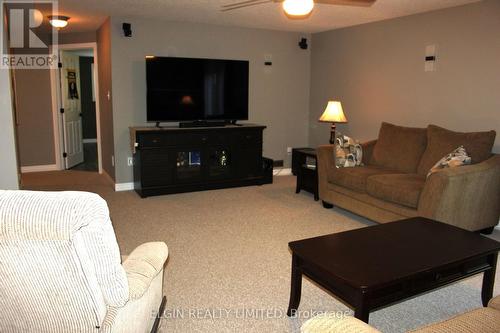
(72, 86)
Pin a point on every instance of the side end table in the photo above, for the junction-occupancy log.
(304, 166)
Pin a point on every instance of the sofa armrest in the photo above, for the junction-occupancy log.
(143, 265)
(330, 323)
(467, 197)
(368, 150)
(326, 167)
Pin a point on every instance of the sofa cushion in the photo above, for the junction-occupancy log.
(355, 178)
(441, 141)
(402, 189)
(363, 204)
(400, 148)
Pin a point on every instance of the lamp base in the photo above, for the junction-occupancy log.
(332, 134)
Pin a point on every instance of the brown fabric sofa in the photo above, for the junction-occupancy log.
(393, 184)
(482, 320)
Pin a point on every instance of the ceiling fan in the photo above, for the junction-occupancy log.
(297, 8)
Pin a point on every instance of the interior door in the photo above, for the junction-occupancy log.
(71, 103)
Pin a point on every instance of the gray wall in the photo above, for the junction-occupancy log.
(35, 130)
(77, 37)
(279, 94)
(377, 71)
(8, 167)
(105, 103)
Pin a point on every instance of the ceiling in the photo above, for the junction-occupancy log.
(88, 15)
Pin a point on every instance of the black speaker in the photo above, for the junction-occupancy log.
(267, 169)
(127, 29)
(303, 44)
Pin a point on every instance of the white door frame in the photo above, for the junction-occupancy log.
(56, 105)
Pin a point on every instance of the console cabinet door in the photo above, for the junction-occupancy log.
(156, 167)
(188, 164)
(249, 161)
(248, 151)
(220, 162)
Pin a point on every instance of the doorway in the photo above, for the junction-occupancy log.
(76, 109)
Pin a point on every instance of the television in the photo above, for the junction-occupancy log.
(188, 89)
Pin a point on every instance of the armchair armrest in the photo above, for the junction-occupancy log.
(143, 265)
(330, 323)
(467, 197)
(495, 303)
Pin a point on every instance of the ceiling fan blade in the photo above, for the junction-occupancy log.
(245, 4)
(240, 3)
(362, 3)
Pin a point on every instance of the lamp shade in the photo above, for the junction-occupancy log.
(333, 113)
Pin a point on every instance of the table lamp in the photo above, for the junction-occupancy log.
(333, 114)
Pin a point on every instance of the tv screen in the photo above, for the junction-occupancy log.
(182, 89)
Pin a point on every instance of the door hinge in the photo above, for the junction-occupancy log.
(65, 155)
(59, 64)
(61, 110)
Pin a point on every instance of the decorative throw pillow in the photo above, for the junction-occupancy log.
(441, 141)
(348, 152)
(456, 158)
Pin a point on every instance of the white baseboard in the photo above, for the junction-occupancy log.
(282, 172)
(89, 140)
(39, 168)
(121, 187)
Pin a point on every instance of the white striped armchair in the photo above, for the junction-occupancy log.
(61, 271)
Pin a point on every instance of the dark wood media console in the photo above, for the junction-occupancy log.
(175, 160)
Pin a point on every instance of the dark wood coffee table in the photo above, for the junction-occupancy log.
(373, 267)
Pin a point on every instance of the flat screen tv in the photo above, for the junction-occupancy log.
(187, 89)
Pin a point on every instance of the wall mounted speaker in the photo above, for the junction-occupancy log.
(303, 44)
(127, 29)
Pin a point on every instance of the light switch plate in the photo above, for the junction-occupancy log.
(430, 51)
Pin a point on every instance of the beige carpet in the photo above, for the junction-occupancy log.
(229, 265)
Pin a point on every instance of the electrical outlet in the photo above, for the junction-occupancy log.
(130, 161)
(289, 150)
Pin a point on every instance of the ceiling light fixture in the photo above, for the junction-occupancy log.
(58, 21)
(298, 8)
